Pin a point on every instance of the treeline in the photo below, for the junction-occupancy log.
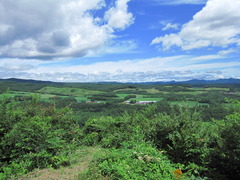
(139, 142)
(25, 87)
(33, 85)
(212, 105)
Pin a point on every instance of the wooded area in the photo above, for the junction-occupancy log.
(191, 127)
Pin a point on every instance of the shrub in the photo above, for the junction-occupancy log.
(35, 136)
(134, 161)
(227, 155)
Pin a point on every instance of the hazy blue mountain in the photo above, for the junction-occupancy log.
(193, 81)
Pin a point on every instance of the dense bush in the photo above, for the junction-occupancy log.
(227, 154)
(135, 160)
(184, 136)
(34, 136)
(145, 142)
(129, 97)
(103, 97)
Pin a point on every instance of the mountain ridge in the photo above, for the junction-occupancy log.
(193, 81)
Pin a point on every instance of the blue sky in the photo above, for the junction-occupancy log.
(119, 40)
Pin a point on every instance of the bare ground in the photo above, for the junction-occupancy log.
(65, 173)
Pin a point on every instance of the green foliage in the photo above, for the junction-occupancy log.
(141, 142)
(67, 91)
(227, 155)
(129, 97)
(62, 102)
(179, 141)
(110, 108)
(103, 96)
(17, 86)
(107, 131)
(183, 134)
(12, 170)
(134, 161)
(34, 136)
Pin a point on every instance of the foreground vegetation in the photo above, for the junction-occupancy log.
(111, 140)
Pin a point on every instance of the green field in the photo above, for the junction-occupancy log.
(177, 95)
(144, 98)
(191, 92)
(122, 95)
(67, 91)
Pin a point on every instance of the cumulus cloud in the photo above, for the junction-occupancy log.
(54, 29)
(217, 24)
(168, 41)
(117, 16)
(178, 2)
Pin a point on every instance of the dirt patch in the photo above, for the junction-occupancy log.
(83, 158)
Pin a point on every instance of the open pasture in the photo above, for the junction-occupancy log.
(67, 91)
(175, 94)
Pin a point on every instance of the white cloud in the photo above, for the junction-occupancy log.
(217, 24)
(168, 41)
(227, 51)
(170, 26)
(117, 17)
(178, 68)
(114, 47)
(20, 67)
(207, 58)
(65, 28)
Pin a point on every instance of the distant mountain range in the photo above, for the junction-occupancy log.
(25, 81)
(193, 81)
(197, 81)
